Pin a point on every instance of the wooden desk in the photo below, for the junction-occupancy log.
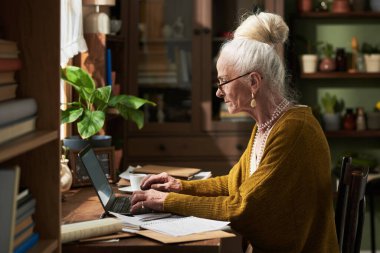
(82, 204)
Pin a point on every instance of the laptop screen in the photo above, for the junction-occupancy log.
(95, 171)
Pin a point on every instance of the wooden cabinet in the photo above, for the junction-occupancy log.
(35, 25)
(170, 47)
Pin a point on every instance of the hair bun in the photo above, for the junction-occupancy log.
(265, 27)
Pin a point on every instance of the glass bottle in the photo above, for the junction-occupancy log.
(349, 122)
(340, 59)
(360, 119)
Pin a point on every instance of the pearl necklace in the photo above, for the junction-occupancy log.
(277, 112)
(267, 126)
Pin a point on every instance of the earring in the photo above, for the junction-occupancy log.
(253, 101)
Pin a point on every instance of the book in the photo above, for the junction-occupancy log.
(88, 229)
(23, 192)
(9, 181)
(11, 55)
(7, 65)
(7, 91)
(8, 46)
(28, 243)
(180, 172)
(28, 221)
(17, 129)
(7, 77)
(26, 207)
(21, 237)
(17, 109)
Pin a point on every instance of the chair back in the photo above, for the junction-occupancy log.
(350, 206)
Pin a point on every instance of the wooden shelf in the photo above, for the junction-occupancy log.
(45, 246)
(26, 143)
(353, 134)
(330, 15)
(339, 75)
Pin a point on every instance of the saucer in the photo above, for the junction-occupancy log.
(126, 189)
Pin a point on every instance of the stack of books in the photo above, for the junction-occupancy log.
(9, 64)
(24, 235)
(17, 116)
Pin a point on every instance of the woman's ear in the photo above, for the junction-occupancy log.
(255, 79)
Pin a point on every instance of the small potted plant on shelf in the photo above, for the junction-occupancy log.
(326, 51)
(308, 58)
(332, 112)
(89, 112)
(371, 57)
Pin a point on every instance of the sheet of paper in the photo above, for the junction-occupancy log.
(184, 226)
(128, 171)
(136, 221)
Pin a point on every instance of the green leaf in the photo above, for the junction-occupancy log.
(70, 115)
(129, 101)
(91, 123)
(102, 96)
(136, 116)
(80, 80)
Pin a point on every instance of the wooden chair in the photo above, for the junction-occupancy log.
(350, 206)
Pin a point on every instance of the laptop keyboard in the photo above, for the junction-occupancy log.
(121, 205)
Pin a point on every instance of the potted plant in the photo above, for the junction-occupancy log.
(89, 112)
(332, 110)
(326, 51)
(309, 58)
(371, 57)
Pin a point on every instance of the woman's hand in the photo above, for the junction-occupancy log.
(161, 182)
(147, 201)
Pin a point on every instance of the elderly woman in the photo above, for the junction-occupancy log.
(278, 196)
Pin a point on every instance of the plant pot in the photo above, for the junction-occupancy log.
(331, 121)
(309, 63)
(341, 6)
(327, 65)
(100, 141)
(372, 62)
(305, 5)
(75, 142)
(373, 120)
(375, 5)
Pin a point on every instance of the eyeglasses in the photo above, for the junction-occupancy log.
(220, 85)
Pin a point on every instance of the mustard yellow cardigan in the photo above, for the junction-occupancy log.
(286, 204)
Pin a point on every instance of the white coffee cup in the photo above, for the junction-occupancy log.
(136, 180)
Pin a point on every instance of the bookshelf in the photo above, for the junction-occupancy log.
(38, 35)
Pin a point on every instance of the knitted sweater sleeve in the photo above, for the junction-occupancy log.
(208, 198)
(217, 186)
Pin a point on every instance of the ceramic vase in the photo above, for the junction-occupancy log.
(66, 178)
(375, 5)
(309, 63)
(372, 62)
(341, 6)
(331, 121)
(327, 65)
(305, 5)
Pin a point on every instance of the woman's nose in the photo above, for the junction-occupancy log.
(219, 93)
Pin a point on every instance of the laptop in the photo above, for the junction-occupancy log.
(101, 185)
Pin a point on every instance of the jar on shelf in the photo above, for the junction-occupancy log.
(341, 59)
(349, 120)
(360, 119)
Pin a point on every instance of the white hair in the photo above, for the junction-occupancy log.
(254, 48)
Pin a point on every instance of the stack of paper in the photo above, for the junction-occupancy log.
(173, 225)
